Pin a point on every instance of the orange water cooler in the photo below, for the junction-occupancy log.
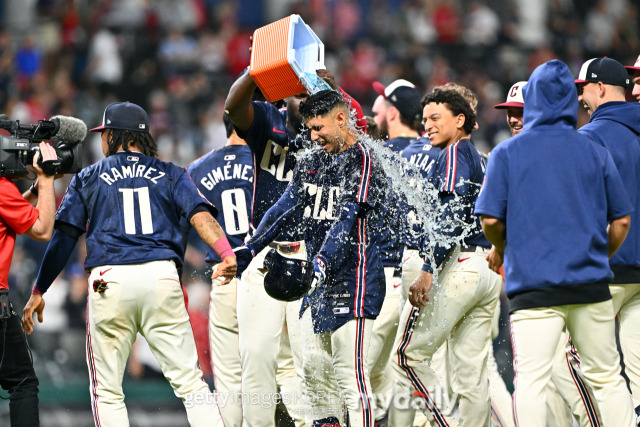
(284, 58)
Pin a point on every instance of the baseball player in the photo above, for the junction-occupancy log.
(461, 306)
(275, 137)
(226, 178)
(335, 198)
(548, 196)
(615, 124)
(397, 113)
(130, 204)
(566, 393)
(634, 71)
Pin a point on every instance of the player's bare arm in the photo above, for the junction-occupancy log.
(238, 104)
(419, 289)
(34, 305)
(42, 229)
(617, 232)
(211, 233)
(495, 230)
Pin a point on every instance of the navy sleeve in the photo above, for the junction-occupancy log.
(277, 217)
(73, 207)
(188, 197)
(267, 121)
(492, 200)
(618, 203)
(55, 258)
(336, 238)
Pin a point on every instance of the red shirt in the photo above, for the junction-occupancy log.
(16, 216)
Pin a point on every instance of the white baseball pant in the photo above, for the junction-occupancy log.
(145, 298)
(261, 326)
(382, 338)
(626, 305)
(335, 369)
(535, 336)
(461, 306)
(225, 356)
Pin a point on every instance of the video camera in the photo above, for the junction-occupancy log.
(18, 149)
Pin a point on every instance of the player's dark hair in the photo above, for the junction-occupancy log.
(117, 138)
(415, 123)
(321, 103)
(228, 124)
(455, 103)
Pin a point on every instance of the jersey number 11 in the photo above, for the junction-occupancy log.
(129, 210)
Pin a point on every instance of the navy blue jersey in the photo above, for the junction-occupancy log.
(131, 206)
(391, 235)
(458, 175)
(422, 156)
(460, 169)
(226, 178)
(335, 201)
(274, 146)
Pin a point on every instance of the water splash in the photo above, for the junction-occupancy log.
(422, 197)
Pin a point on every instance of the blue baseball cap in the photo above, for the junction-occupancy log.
(124, 115)
(605, 70)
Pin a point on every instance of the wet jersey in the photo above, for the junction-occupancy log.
(422, 157)
(335, 201)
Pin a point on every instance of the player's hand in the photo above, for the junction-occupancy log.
(419, 289)
(244, 256)
(494, 258)
(326, 75)
(227, 269)
(319, 273)
(35, 304)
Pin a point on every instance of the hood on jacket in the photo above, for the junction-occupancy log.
(625, 113)
(550, 96)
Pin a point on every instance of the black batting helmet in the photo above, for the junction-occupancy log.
(287, 279)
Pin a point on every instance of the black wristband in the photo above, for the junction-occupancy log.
(34, 190)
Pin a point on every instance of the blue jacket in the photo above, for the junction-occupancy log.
(616, 126)
(556, 191)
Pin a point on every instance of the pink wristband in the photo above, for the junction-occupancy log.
(222, 248)
(35, 290)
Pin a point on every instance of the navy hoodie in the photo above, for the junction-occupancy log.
(616, 126)
(556, 191)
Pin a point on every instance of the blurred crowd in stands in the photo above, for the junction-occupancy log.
(177, 59)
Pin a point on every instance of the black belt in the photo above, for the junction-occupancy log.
(471, 248)
(286, 248)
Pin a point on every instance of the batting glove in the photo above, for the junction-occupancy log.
(319, 267)
(244, 255)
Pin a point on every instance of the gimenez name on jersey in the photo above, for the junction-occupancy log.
(226, 172)
(132, 171)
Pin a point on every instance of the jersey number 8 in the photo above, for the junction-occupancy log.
(234, 209)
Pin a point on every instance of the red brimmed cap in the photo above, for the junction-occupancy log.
(635, 67)
(514, 97)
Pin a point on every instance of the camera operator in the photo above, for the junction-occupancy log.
(32, 213)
